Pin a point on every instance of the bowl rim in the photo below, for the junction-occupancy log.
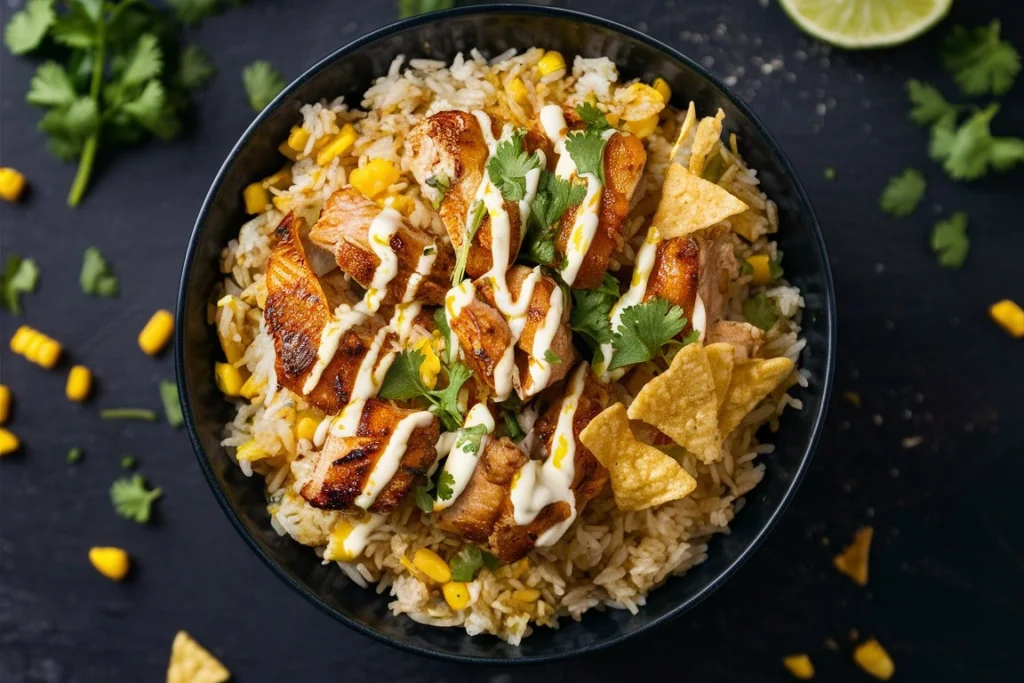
(513, 9)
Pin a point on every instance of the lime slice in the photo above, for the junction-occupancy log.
(865, 23)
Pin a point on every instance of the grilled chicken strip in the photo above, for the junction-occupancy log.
(483, 335)
(687, 266)
(346, 462)
(718, 269)
(343, 229)
(297, 310)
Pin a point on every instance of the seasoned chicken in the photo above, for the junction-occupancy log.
(297, 310)
(343, 229)
(483, 336)
(346, 462)
(744, 337)
(475, 511)
(718, 269)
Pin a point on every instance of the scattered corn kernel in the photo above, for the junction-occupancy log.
(800, 666)
(873, 658)
(1009, 316)
(256, 198)
(456, 594)
(297, 139)
(643, 127)
(526, 595)
(249, 451)
(113, 563)
(79, 383)
(157, 332)
(761, 263)
(229, 379)
(663, 88)
(36, 346)
(280, 180)
(287, 151)
(431, 564)
(337, 146)
(5, 403)
(374, 178)
(251, 388)
(8, 442)
(306, 428)
(12, 184)
(517, 89)
(431, 364)
(552, 62)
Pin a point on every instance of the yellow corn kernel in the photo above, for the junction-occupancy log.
(229, 379)
(800, 666)
(374, 178)
(250, 451)
(431, 564)
(281, 203)
(526, 595)
(287, 152)
(873, 658)
(337, 146)
(297, 139)
(79, 383)
(399, 203)
(519, 568)
(5, 403)
(157, 332)
(251, 388)
(306, 428)
(336, 550)
(552, 62)
(1009, 316)
(113, 563)
(643, 127)
(663, 88)
(256, 198)
(761, 264)
(8, 442)
(12, 184)
(36, 346)
(456, 594)
(517, 89)
(280, 180)
(49, 353)
(431, 364)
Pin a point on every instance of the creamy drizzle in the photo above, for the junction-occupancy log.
(540, 367)
(460, 463)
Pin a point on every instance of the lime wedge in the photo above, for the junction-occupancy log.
(865, 23)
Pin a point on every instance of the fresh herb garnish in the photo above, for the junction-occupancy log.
(510, 408)
(554, 197)
(27, 28)
(442, 183)
(592, 310)
(132, 499)
(410, 8)
(97, 277)
(760, 311)
(19, 276)
(74, 456)
(643, 329)
(128, 414)
(477, 213)
(441, 322)
(593, 117)
(193, 11)
(469, 561)
(172, 407)
(979, 61)
(969, 151)
(928, 104)
(903, 193)
(127, 462)
(587, 151)
(262, 84)
(508, 166)
(445, 485)
(434, 488)
(949, 240)
(552, 357)
(194, 68)
(470, 439)
(775, 267)
(402, 382)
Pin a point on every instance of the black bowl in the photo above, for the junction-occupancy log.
(349, 71)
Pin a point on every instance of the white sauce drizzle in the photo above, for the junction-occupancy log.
(357, 540)
(460, 463)
(540, 367)
(700, 318)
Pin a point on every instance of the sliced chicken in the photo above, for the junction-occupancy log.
(346, 462)
(297, 310)
(474, 512)
(744, 337)
(483, 336)
(343, 229)
(718, 269)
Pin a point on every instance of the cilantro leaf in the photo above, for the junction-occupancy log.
(508, 166)
(441, 322)
(262, 84)
(74, 455)
(424, 500)
(445, 484)
(476, 216)
(447, 399)
(410, 8)
(552, 357)
(593, 117)
(51, 87)
(132, 500)
(949, 240)
(97, 278)
(469, 561)
(554, 197)
(979, 61)
(929, 106)
(402, 381)
(760, 311)
(77, 28)
(145, 62)
(19, 276)
(27, 28)
(172, 406)
(775, 267)
(510, 408)
(193, 11)
(643, 329)
(903, 193)
(968, 152)
(194, 68)
(590, 315)
(587, 152)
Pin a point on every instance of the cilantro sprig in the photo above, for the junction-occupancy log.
(132, 500)
(586, 149)
(468, 562)
(760, 311)
(439, 487)
(949, 240)
(402, 383)
(97, 277)
(509, 165)
(903, 193)
(928, 104)
(980, 62)
(262, 84)
(554, 197)
(592, 310)
(969, 151)
(19, 276)
(643, 330)
(593, 117)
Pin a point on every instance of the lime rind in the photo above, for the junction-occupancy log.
(865, 23)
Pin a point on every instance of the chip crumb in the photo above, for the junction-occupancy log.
(873, 658)
(853, 561)
(831, 644)
(854, 634)
(192, 663)
(853, 398)
(800, 666)
(912, 442)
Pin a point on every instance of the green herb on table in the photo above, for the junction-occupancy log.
(19, 276)
(132, 500)
(172, 407)
(96, 277)
(193, 11)
(903, 193)
(509, 165)
(928, 104)
(74, 456)
(980, 62)
(410, 8)
(642, 331)
(949, 240)
(262, 84)
(127, 462)
(194, 68)
(830, 173)
(969, 151)
(469, 561)
(402, 383)
(128, 414)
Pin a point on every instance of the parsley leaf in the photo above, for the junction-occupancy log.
(194, 68)
(760, 311)
(27, 28)
(950, 242)
(477, 212)
(979, 61)
(587, 152)
(643, 329)
(552, 357)
(508, 166)
(469, 561)
(97, 278)
(19, 276)
(172, 406)
(903, 193)
(593, 117)
(968, 152)
(262, 84)
(929, 106)
(131, 499)
(591, 313)
(402, 382)
(445, 485)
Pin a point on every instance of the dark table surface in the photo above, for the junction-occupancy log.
(946, 595)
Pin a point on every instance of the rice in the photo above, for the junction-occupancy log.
(609, 559)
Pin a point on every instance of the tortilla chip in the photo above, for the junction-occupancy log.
(721, 358)
(749, 225)
(752, 380)
(690, 203)
(191, 663)
(641, 475)
(853, 561)
(684, 130)
(709, 133)
(682, 403)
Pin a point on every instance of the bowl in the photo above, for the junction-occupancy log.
(348, 71)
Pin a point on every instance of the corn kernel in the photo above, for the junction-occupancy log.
(1009, 316)
(280, 180)
(431, 564)
(251, 388)
(761, 264)
(306, 428)
(517, 89)
(374, 178)
(873, 658)
(287, 152)
(12, 184)
(256, 198)
(800, 666)
(551, 63)
(399, 203)
(250, 451)
(113, 563)
(281, 203)
(526, 595)
(456, 594)
(229, 379)
(643, 127)
(663, 88)
(297, 139)
(79, 383)
(8, 442)
(5, 403)
(431, 364)
(157, 332)
(338, 145)
(336, 550)
(36, 347)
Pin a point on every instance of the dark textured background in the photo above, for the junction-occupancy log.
(947, 572)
